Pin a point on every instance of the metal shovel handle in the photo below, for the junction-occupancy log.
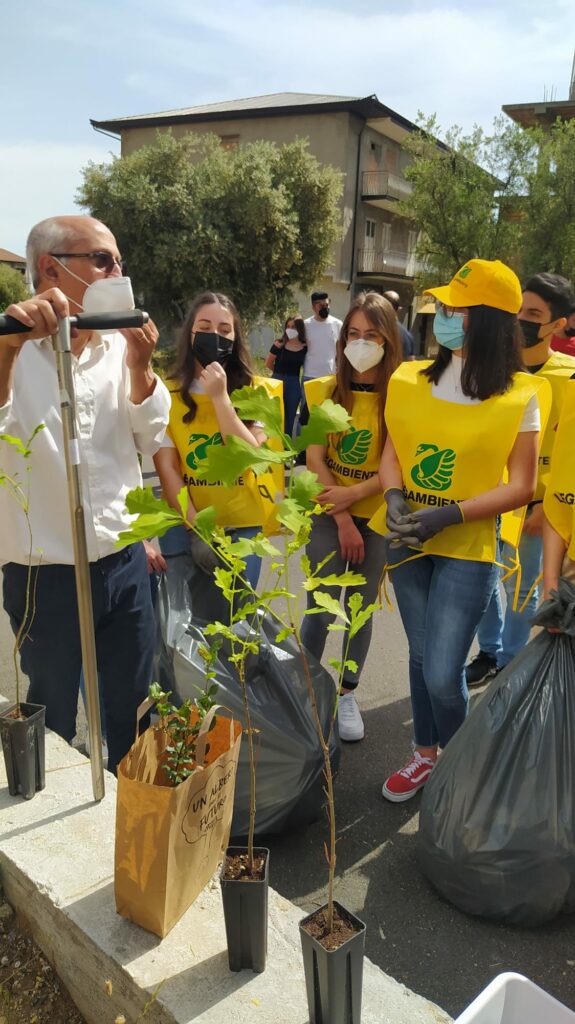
(84, 322)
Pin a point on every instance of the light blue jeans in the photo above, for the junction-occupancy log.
(503, 636)
(441, 601)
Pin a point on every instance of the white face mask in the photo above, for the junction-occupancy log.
(364, 354)
(107, 295)
(291, 333)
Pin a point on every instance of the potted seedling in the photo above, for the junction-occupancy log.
(333, 925)
(174, 806)
(22, 725)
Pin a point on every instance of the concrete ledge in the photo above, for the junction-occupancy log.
(57, 863)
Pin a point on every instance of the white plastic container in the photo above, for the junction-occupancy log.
(512, 999)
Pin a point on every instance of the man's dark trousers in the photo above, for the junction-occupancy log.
(125, 639)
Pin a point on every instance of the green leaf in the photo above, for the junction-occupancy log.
(342, 579)
(205, 523)
(256, 404)
(350, 664)
(226, 463)
(258, 545)
(147, 526)
(325, 419)
(359, 615)
(291, 515)
(143, 499)
(183, 498)
(329, 604)
(284, 634)
(305, 489)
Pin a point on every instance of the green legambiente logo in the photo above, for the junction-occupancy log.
(353, 447)
(434, 468)
(198, 445)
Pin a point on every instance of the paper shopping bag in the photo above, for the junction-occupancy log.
(170, 839)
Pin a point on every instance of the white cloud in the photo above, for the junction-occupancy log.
(37, 181)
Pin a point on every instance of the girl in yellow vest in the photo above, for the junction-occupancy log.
(547, 299)
(559, 500)
(368, 351)
(453, 428)
(212, 361)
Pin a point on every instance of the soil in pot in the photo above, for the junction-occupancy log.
(343, 929)
(236, 867)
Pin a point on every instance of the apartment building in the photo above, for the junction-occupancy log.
(361, 137)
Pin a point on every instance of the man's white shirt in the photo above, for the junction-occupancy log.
(321, 337)
(111, 431)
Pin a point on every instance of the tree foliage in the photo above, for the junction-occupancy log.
(256, 222)
(549, 208)
(12, 287)
(467, 198)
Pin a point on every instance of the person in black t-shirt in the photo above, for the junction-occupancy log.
(285, 359)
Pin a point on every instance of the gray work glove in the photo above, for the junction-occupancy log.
(202, 554)
(413, 530)
(397, 507)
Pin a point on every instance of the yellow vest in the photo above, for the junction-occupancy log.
(557, 370)
(357, 454)
(449, 452)
(249, 502)
(559, 501)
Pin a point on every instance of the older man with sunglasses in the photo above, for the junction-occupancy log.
(122, 409)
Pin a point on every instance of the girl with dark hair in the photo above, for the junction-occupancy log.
(368, 351)
(285, 359)
(461, 450)
(212, 361)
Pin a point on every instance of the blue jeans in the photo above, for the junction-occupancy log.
(176, 542)
(441, 601)
(503, 636)
(292, 398)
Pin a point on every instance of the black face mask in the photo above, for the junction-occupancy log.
(530, 331)
(210, 347)
(324, 312)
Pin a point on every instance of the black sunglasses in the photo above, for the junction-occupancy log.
(102, 260)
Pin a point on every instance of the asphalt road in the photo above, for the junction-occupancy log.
(412, 934)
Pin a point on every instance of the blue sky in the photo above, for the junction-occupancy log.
(66, 61)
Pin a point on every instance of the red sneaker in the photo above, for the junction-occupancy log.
(402, 785)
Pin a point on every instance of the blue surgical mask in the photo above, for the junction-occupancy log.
(449, 330)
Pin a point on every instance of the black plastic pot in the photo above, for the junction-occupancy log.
(246, 916)
(23, 747)
(334, 978)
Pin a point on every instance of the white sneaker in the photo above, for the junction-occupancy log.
(350, 722)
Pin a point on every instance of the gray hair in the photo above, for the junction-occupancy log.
(50, 235)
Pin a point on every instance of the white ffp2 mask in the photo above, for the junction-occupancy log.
(363, 354)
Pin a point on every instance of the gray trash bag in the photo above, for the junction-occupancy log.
(289, 762)
(497, 822)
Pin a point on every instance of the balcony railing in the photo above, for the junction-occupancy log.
(384, 185)
(385, 261)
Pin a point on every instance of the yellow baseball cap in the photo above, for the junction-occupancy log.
(482, 283)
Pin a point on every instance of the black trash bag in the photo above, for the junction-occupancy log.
(289, 761)
(497, 822)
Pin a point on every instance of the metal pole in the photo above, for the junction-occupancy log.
(61, 342)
